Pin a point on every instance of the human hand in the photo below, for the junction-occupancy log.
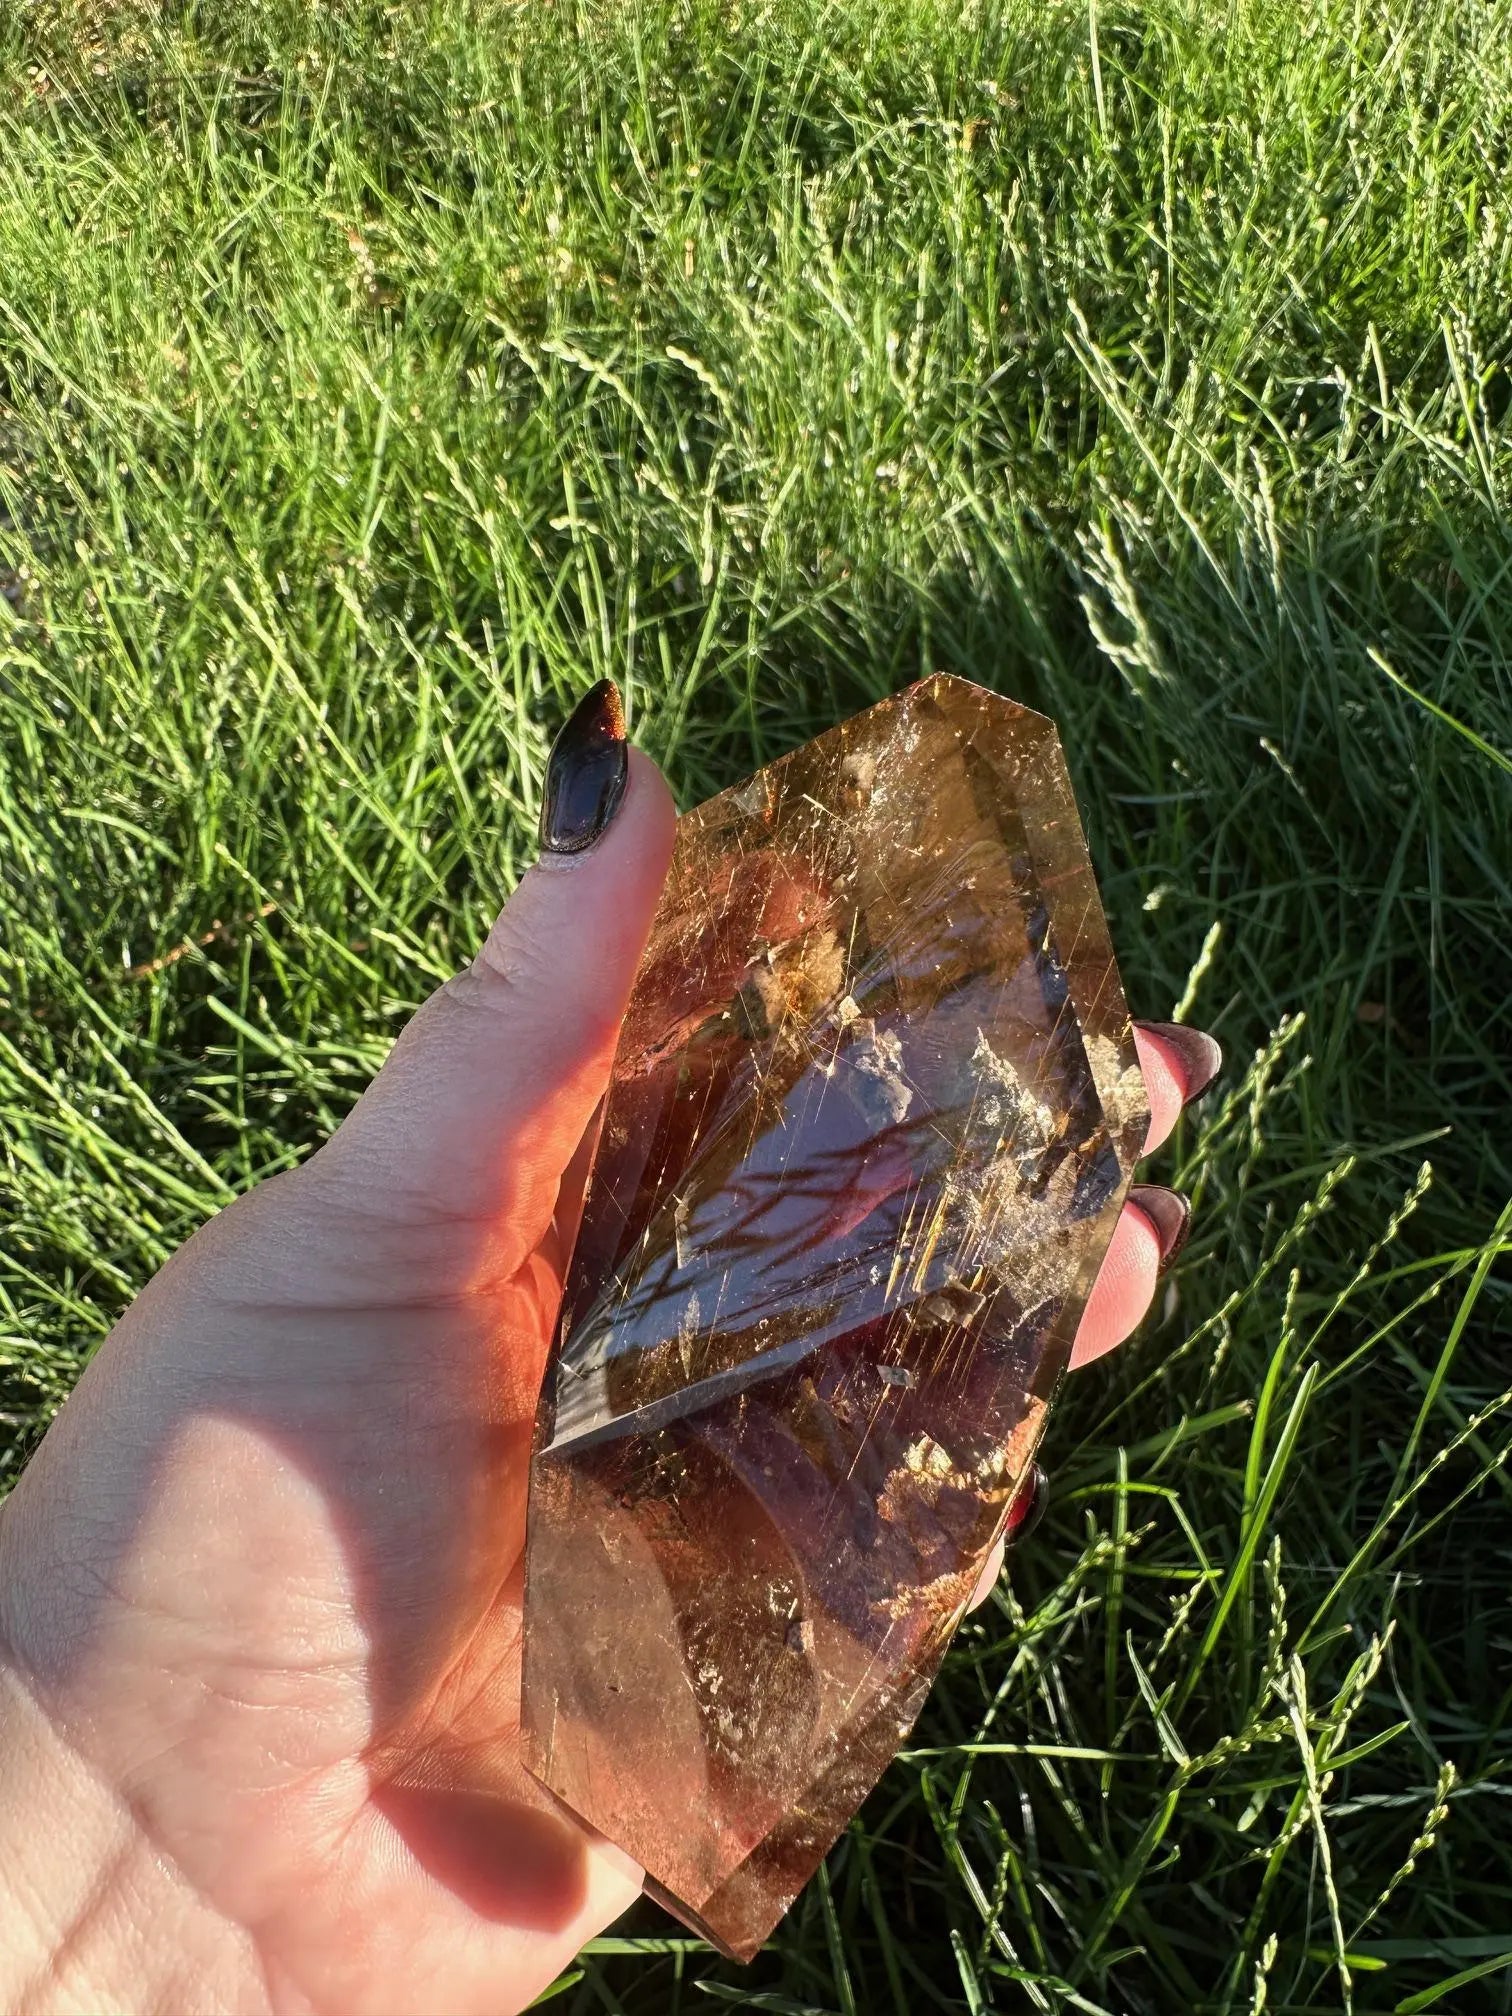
(260, 1587)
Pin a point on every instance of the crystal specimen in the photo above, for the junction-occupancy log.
(870, 1124)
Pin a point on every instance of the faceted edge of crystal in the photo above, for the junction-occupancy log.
(1063, 866)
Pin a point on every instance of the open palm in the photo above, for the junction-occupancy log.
(260, 1589)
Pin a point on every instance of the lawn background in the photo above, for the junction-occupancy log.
(374, 377)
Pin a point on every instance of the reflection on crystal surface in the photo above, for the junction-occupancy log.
(871, 1120)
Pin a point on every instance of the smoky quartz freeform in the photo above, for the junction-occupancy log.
(871, 1120)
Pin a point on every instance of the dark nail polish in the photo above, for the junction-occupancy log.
(1201, 1056)
(585, 772)
(1169, 1212)
(1028, 1507)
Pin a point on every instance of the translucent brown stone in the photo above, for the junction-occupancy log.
(871, 1120)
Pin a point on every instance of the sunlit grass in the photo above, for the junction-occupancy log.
(372, 378)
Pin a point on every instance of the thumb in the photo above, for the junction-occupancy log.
(488, 1091)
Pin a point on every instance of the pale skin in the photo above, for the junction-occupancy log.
(260, 1587)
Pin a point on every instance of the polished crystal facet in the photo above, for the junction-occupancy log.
(871, 1120)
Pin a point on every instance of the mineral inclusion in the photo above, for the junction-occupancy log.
(870, 1124)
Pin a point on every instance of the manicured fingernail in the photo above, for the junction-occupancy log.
(585, 772)
(1169, 1212)
(1028, 1507)
(1201, 1056)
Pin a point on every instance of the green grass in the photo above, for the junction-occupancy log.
(372, 378)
